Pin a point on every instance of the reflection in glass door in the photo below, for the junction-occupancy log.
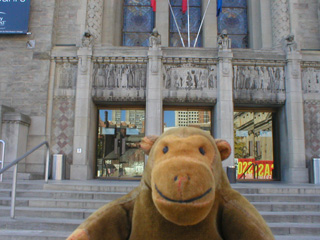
(187, 118)
(119, 134)
(253, 145)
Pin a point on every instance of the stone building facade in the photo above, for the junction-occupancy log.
(78, 66)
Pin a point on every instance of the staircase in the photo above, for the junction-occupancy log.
(52, 211)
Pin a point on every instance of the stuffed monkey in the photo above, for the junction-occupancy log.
(184, 194)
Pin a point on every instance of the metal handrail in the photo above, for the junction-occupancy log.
(15, 171)
(2, 157)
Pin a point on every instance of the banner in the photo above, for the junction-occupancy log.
(263, 169)
(14, 16)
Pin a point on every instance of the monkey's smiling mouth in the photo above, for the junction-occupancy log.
(183, 201)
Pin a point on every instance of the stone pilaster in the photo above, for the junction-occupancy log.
(81, 167)
(223, 112)
(94, 19)
(154, 88)
(210, 26)
(15, 129)
(280, 21)
(294, 167)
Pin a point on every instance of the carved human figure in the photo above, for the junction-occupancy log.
(224, 42)
(281, 79)
(111, 76)
(212, 78)
(87, 40)
(259, 78)
(266, 80)
(290, 43)
(100, 78)
(155, 39)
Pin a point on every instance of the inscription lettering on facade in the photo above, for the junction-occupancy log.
(311, 80)
(260, 78)
(190, 77)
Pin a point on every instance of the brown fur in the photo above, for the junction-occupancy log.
(184, 194)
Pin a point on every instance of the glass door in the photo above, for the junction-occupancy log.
(119, 134)
(253, 145)
(187, 117)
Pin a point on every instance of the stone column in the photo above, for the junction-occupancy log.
(112, 22)
(280, 21)
(223, 112)
(94, 19)
(163, 14)
(3, 110)
(294, 167)
(210, 25)
(15, 128)
(81, 168)
(154, 87)
(266, 25)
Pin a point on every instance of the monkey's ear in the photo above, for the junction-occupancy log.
(147, 143)
(224, 148)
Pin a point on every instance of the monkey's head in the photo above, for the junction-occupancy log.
(184, 170)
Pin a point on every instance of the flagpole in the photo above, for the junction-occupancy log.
(188, 24)
(174, 18)
(204, 15)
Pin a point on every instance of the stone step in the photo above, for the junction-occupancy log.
(304, 229)
(6, 201)
(64, 194)
(282, 197)
(48, 224)
(287, 206)
(33, 235)
(34, 212)
(98, 186)
(291, 217)
(23, 185)
(295, 237)
(56, 194)
(68, 203)
(276, 189)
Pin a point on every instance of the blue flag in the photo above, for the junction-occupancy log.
(219, 7)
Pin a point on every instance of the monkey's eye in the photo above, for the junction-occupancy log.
(165, 149)
(201, 150)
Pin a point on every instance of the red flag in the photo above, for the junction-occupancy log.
(153, 4)
(184, 6)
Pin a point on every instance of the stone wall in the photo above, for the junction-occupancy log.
(311, 89)
(307, 18)
(67, 26)
(312, 129)
(24, 75)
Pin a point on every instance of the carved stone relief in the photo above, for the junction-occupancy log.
(66, 75)
(188, 77)
(311, 80)
(259, 78)
(124, 76)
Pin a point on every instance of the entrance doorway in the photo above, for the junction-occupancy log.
(119, 134)
(254, 145)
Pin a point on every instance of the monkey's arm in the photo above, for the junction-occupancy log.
(241, 220)
(111, 222)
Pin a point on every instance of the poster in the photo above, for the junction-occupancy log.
(14, 16)
(261, 169)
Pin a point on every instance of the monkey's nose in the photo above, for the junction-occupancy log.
(181, 180)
